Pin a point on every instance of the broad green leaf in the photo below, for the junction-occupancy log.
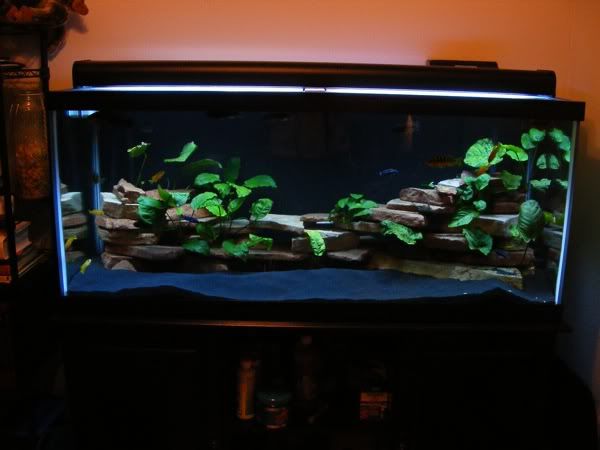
(567, 156)
(202, 164)
(478, 240)
(222, 188)
(173, 199)
(180, 198)
(368, 204)
(242, 191)
(206, 178)
(537, 135)
(463, 217)
(356, 196)
(151, 211)
(516, 153)
(151, 202)
(236, 250)
(362, 213)
(186, 152)
(342, 203)
(466, 192)
(179, 211)
(480, 205)
(562, 183)
(200, 200)
(138, 150)
(478, 154)
(260, 181)
(530, 221)
(235, 204)
(526, 142)
(541, 185)
(232, 170)
(260, 208)
(402, 232)
(207, 231)
(197, 246)
(510, 181)
(547, 161)
(164, 195)
(353, 206)
(482, 181)
(215, 207)
(317, 243)
(254, 241)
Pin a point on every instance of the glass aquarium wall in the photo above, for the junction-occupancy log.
(278, 205)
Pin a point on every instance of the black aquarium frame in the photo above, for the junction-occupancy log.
(88, 75)
(497, 311)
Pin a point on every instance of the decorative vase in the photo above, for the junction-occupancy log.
(29, 145)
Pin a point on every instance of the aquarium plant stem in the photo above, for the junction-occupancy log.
(139, 178)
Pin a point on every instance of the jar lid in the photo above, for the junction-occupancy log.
(275, 397)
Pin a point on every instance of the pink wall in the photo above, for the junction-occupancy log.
(549, 34)
(562, 35)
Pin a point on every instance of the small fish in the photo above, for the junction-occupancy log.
(484, 169)
(501, 253)
(96, 212)
(85, 265)
(157, 176)
(69, 242)
(190, 219)
(388, 172)
(444, 162)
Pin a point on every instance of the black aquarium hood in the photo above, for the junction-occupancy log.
(462, 78)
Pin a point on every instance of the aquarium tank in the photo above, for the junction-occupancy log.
(312, 182)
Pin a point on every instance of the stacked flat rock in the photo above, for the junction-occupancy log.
(127, 245)
(442, 253)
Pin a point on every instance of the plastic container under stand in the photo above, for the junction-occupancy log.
(273, 409)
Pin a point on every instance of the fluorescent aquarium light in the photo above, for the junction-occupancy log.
(196, 88)
(436, 93)
(319, 89)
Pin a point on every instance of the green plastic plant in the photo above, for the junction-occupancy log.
(219, 194)
(350, 208)
(141, 150)
(356, 207)
(401, 232)
(530, 222)
(223, 197)
(474, 195)
(317, 243)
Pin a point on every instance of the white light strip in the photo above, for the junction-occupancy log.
(436, 93)
(196, 88)
(76, 114)
(317, 89)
